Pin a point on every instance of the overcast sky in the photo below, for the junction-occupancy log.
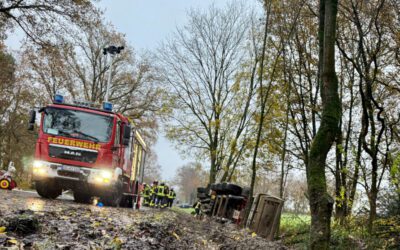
(146, 23)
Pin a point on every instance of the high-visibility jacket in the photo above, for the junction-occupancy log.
(161, 191)
(153, 190)
(171, 195)
(146, 191)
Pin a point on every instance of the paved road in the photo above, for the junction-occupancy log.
(23, 200)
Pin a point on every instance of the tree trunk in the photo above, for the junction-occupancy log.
(373, 195)
(372, 211)
(321, 204)
(283, 172)
(213, 168)
(263, 102)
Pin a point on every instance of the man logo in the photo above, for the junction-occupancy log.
(74, 153)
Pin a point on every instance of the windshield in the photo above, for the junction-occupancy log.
(77, 124)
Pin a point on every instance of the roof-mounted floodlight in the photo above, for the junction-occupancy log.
(112, 51)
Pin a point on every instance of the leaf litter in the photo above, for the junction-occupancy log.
(63, 224)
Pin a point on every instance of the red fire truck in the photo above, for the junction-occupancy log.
(93, 152)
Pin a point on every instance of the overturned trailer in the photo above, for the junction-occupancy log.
(227, 202)
(224, 201)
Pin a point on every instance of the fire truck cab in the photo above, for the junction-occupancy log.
(93, 152)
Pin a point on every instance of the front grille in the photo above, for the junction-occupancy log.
(72, 154)
(68, 174)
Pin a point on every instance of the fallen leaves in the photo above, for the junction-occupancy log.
(67, 225)
(176, 236)
(12, 242)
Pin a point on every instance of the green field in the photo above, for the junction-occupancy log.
(185, 210)
(294, 229)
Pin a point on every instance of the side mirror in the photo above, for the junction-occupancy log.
(126, 135)
(32, 119)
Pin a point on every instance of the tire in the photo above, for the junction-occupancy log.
(221, 188)
(213, 186)
(82, 197)
(201, 196)
(233, 189)
(245, 192)
(114, 199)
(205, 200)
(127, 201)
(4, 184)
(201, 190)
(218, 188)
(47, 189)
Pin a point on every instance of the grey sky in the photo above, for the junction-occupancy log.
(146, 23)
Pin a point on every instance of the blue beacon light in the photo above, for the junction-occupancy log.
(58, 98)
(107, 106)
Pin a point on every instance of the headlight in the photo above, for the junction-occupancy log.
(105, 174)
(38, 168)
(37, 164)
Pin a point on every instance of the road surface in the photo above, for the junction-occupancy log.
(30, 222)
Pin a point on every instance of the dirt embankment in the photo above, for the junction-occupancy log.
(28, 222)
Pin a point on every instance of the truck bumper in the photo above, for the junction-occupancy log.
(73, 177)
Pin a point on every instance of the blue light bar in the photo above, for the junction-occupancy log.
(58, 98)
(107, 106)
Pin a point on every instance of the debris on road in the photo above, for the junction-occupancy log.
(59, 224)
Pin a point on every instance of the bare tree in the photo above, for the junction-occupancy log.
(369, 54)
(200, 63)
(41, 20)
(76, 66)
(188, 178)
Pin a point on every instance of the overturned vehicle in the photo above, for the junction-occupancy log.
(224, 201)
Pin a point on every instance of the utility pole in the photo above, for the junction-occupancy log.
(112, 51)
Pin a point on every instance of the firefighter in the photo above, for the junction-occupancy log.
(196, 207)
(146, 194)
(160, 195)
(171, 197)
(153, 193)
(165, 199)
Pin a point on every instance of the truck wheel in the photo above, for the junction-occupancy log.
(47, 189)
(127, 201)
(82, 197)
(201, 190)
(114, 199)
